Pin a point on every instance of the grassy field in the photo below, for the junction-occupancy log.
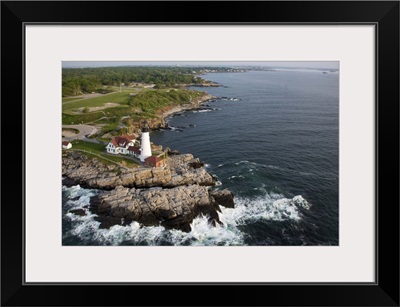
(145, 104)
(121, 98)
(110, 127)
(68, 99)
(100, 149)
(94, 147)
(151, 101)
(108, 114)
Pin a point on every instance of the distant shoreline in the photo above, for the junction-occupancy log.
(187, 107)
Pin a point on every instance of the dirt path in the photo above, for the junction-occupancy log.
(84, 130)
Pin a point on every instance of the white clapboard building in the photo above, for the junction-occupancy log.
(120, 144)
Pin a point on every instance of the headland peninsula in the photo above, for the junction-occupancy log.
(107, 114)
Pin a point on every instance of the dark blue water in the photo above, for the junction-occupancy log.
(276, 141)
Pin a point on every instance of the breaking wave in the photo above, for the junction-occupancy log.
(206, 110)
(269, 207)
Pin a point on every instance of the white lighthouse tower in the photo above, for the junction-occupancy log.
(145, 148)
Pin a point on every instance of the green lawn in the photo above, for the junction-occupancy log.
(126, 89)
(69, 119)
(68, 99)
(112, 113)
(110, 127)
(100, 149)
(121, 98)
(94, 147)
(143, 105)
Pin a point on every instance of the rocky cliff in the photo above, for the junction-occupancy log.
(92, 173)
(171, 208)
(171, 196)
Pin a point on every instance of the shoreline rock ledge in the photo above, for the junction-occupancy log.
(171, 196)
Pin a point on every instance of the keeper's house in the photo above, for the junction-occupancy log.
(134, 151)
(120, 144)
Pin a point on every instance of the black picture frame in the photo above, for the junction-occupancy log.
(383, 14)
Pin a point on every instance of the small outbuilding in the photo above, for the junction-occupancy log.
(154, 161)
(66, 145)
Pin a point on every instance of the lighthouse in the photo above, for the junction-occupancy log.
(145, 148)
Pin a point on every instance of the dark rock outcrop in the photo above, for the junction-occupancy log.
(79, 212)
(223, 198)
(172, 208)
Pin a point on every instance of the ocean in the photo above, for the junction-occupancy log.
(272, 138)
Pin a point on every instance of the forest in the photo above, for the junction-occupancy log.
(77, 81)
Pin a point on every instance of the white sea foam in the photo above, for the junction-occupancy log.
(229, 99)
(81, 195)
(233, 177)
(269, 166)
(243, 162)
(268, 207)
(204, 234)
(203, 111)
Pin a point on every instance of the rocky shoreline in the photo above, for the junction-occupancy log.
(171, 196)
(161, 121)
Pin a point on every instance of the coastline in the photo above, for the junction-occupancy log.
(286, 191)
(171, 196)
(161, 123)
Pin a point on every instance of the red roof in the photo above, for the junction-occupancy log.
(129, 137)
(122, 140)
(134, 149)
(65, 143)
(153, 159)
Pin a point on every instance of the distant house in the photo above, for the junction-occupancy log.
(120, 144)
(66, 145)
(134, 151)
(154, 161)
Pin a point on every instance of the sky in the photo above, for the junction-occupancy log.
(291, 64)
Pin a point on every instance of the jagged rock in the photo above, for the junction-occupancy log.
(195, 163)
(68, 182)
(172, 208)
(79, 212)
(92, 173)
(172, 152)
(223, 198)
(156, 147)
(171, 196)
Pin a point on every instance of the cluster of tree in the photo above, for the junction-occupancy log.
(76, 86)
(150, 101)
(86, 80)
